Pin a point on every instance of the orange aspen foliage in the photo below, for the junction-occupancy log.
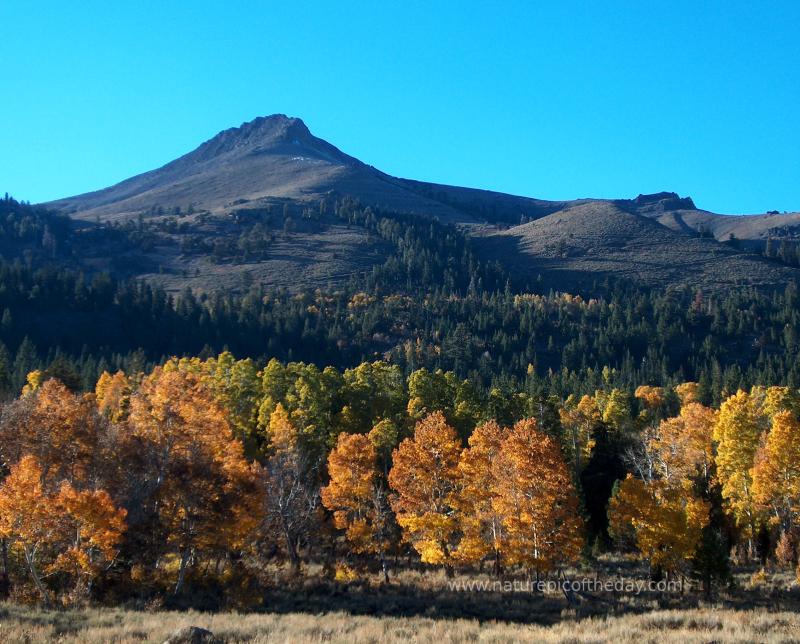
(651, 397)
(688, 392)
(194, 475)
(683, 445)
(667, 522)
(351, 468)
(651, 401)
(356, 495)
(28, 518)
(68, 531)
(424, 476)
(536, 499)
(59, 428)
(480, 525)
(94, 527)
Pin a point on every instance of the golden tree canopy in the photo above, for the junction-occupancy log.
(776, 473)
(667, 522)
(536, 500)
(424, 477)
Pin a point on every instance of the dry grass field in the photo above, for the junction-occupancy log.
(101, 626)
(424, 607)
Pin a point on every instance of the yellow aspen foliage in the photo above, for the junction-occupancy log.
(777, 399)
(667, 522)
(113, 394)
(776, 473)
(348, 421)
(683, 445)
(737, 433)
(283, 435)
(290, 488)
(579, 421)
(33, 381)
(237, 387)
(424, 476)
(536, 501)
(616, 410)
(373, 391)
(309, 396)
(384, 437)
(479, 523)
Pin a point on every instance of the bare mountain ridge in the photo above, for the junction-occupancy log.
(269, 157)
(752, 230)
(651, 238)
(574, 247)
(278, 157)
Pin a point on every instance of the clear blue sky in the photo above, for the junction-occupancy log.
(553, 100)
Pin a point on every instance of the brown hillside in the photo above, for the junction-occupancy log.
(274, 165)
(581, 244)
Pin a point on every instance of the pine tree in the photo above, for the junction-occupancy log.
(710, 562)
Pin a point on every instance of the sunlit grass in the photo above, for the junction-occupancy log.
(100, 626)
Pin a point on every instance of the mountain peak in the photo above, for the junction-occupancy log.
(263, 132)
(661, 201)
(274, 156)
(273, 126)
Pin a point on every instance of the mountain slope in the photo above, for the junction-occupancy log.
(274, 180)
(752, 230)
(278, 157)
(269, 156)
(576, 246)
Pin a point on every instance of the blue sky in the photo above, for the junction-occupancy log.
(551, 100)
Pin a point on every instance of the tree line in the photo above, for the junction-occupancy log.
(431, 303)
(202, 472)
(90, 325)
